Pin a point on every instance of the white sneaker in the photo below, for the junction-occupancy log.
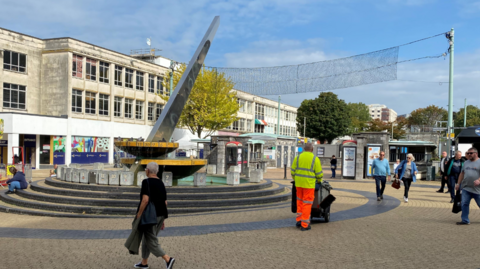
(405, 199)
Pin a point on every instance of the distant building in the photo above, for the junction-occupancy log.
(382, 112)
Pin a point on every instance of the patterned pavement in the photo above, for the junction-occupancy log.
(363, 233)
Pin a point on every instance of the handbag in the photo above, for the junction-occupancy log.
(149, 215)
(457, 203)
(396, 184)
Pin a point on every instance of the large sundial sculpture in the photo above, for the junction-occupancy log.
(157, 145)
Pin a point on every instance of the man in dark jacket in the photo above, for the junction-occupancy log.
(453, 169)
(443, 171)
(17, 181)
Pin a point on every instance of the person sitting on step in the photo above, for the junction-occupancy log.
(17, 181)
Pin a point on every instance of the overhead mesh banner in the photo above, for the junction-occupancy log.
(373, 67)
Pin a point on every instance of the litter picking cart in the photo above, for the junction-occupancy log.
(322, 190)
(319, 209)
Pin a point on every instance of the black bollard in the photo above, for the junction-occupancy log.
(285, 174)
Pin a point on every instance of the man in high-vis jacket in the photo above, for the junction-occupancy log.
(306, 171)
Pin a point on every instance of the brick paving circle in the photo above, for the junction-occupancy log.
(371, 208)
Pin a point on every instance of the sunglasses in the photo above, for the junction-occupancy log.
(468, 153)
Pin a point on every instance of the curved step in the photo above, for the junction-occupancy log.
(123, 189)
(133, 204)
(36, 186)
(10, 199)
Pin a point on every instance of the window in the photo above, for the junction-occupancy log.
(259, 112)
(14, 61)
(104, 67)
(128, 78)
(77, 66)
(151, 83)
(235, 125)
(128, 108)
(241, 103)
(139, 110)
(90, 104)
(14, 96)
(158, 111)
(118, 75)
(117, 108)
(103, 101)
(249, 125)
(241, 124)
(139, 81)
(160, 89)
(91, 72)
(150, 111)
(76, 101)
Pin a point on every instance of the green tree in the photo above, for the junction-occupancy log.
(377, 125)
(211, 106)
(327, 117)
(473, 117)
(359, 117)
(427, 116)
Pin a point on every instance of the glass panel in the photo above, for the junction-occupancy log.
(21, 97)
(14, 58)
(7, 57)
(6, 95)
(23, 60)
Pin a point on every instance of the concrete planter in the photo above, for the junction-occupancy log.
(233, 178)
(200, 179)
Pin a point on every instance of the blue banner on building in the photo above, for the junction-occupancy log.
(89, 157)
(59, 158)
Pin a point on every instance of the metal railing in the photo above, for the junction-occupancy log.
(419, 157)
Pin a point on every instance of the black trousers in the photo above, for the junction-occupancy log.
(406, 183)
(444, 181)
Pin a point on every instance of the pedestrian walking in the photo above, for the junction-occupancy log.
(407, 172)
(443, 171)
(306, 170)
(17, 181)
(333, 165)
(469, 183)
(381, 171)
(395, 165)
(454, 168)
(153, 190)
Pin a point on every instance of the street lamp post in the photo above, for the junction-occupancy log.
(450, 95)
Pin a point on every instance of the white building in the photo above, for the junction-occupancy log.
(65, 100)
(382, 112)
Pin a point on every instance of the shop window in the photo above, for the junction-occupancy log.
(128, 108)
(151, 83)
(117, 111)
(139, 110)
(103, 101)
(118, 75)
(91, 72)
(14, 96)
(139, 81)
(76, 101)
(77, 66)
(104, 68)
(90, 103)
(14, 61)
(129, 78)
(158, 111)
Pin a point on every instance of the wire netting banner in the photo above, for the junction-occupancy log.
(373, 67)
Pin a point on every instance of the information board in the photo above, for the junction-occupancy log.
(349, 157)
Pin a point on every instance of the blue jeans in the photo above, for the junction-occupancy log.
(333, 171)
(380, 180)
(452, 180)
(14, 185)
(466, 198)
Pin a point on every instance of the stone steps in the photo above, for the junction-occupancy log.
(47, 189)
(66, 199)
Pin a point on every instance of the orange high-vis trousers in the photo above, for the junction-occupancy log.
(304, 205)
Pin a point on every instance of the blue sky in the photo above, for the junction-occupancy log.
(282, 32)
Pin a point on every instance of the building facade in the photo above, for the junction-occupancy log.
(382, 112)
(65, 101)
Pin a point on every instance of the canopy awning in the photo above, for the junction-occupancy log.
(469, 136)
(259, 122)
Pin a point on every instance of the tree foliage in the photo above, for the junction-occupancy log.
(427, 116)
(399, 126)
(473, 116)
(211, 106)
(359, 117)
(327, 117)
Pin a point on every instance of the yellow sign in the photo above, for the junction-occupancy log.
(306, 140)
(451, 135)
(1, 128)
